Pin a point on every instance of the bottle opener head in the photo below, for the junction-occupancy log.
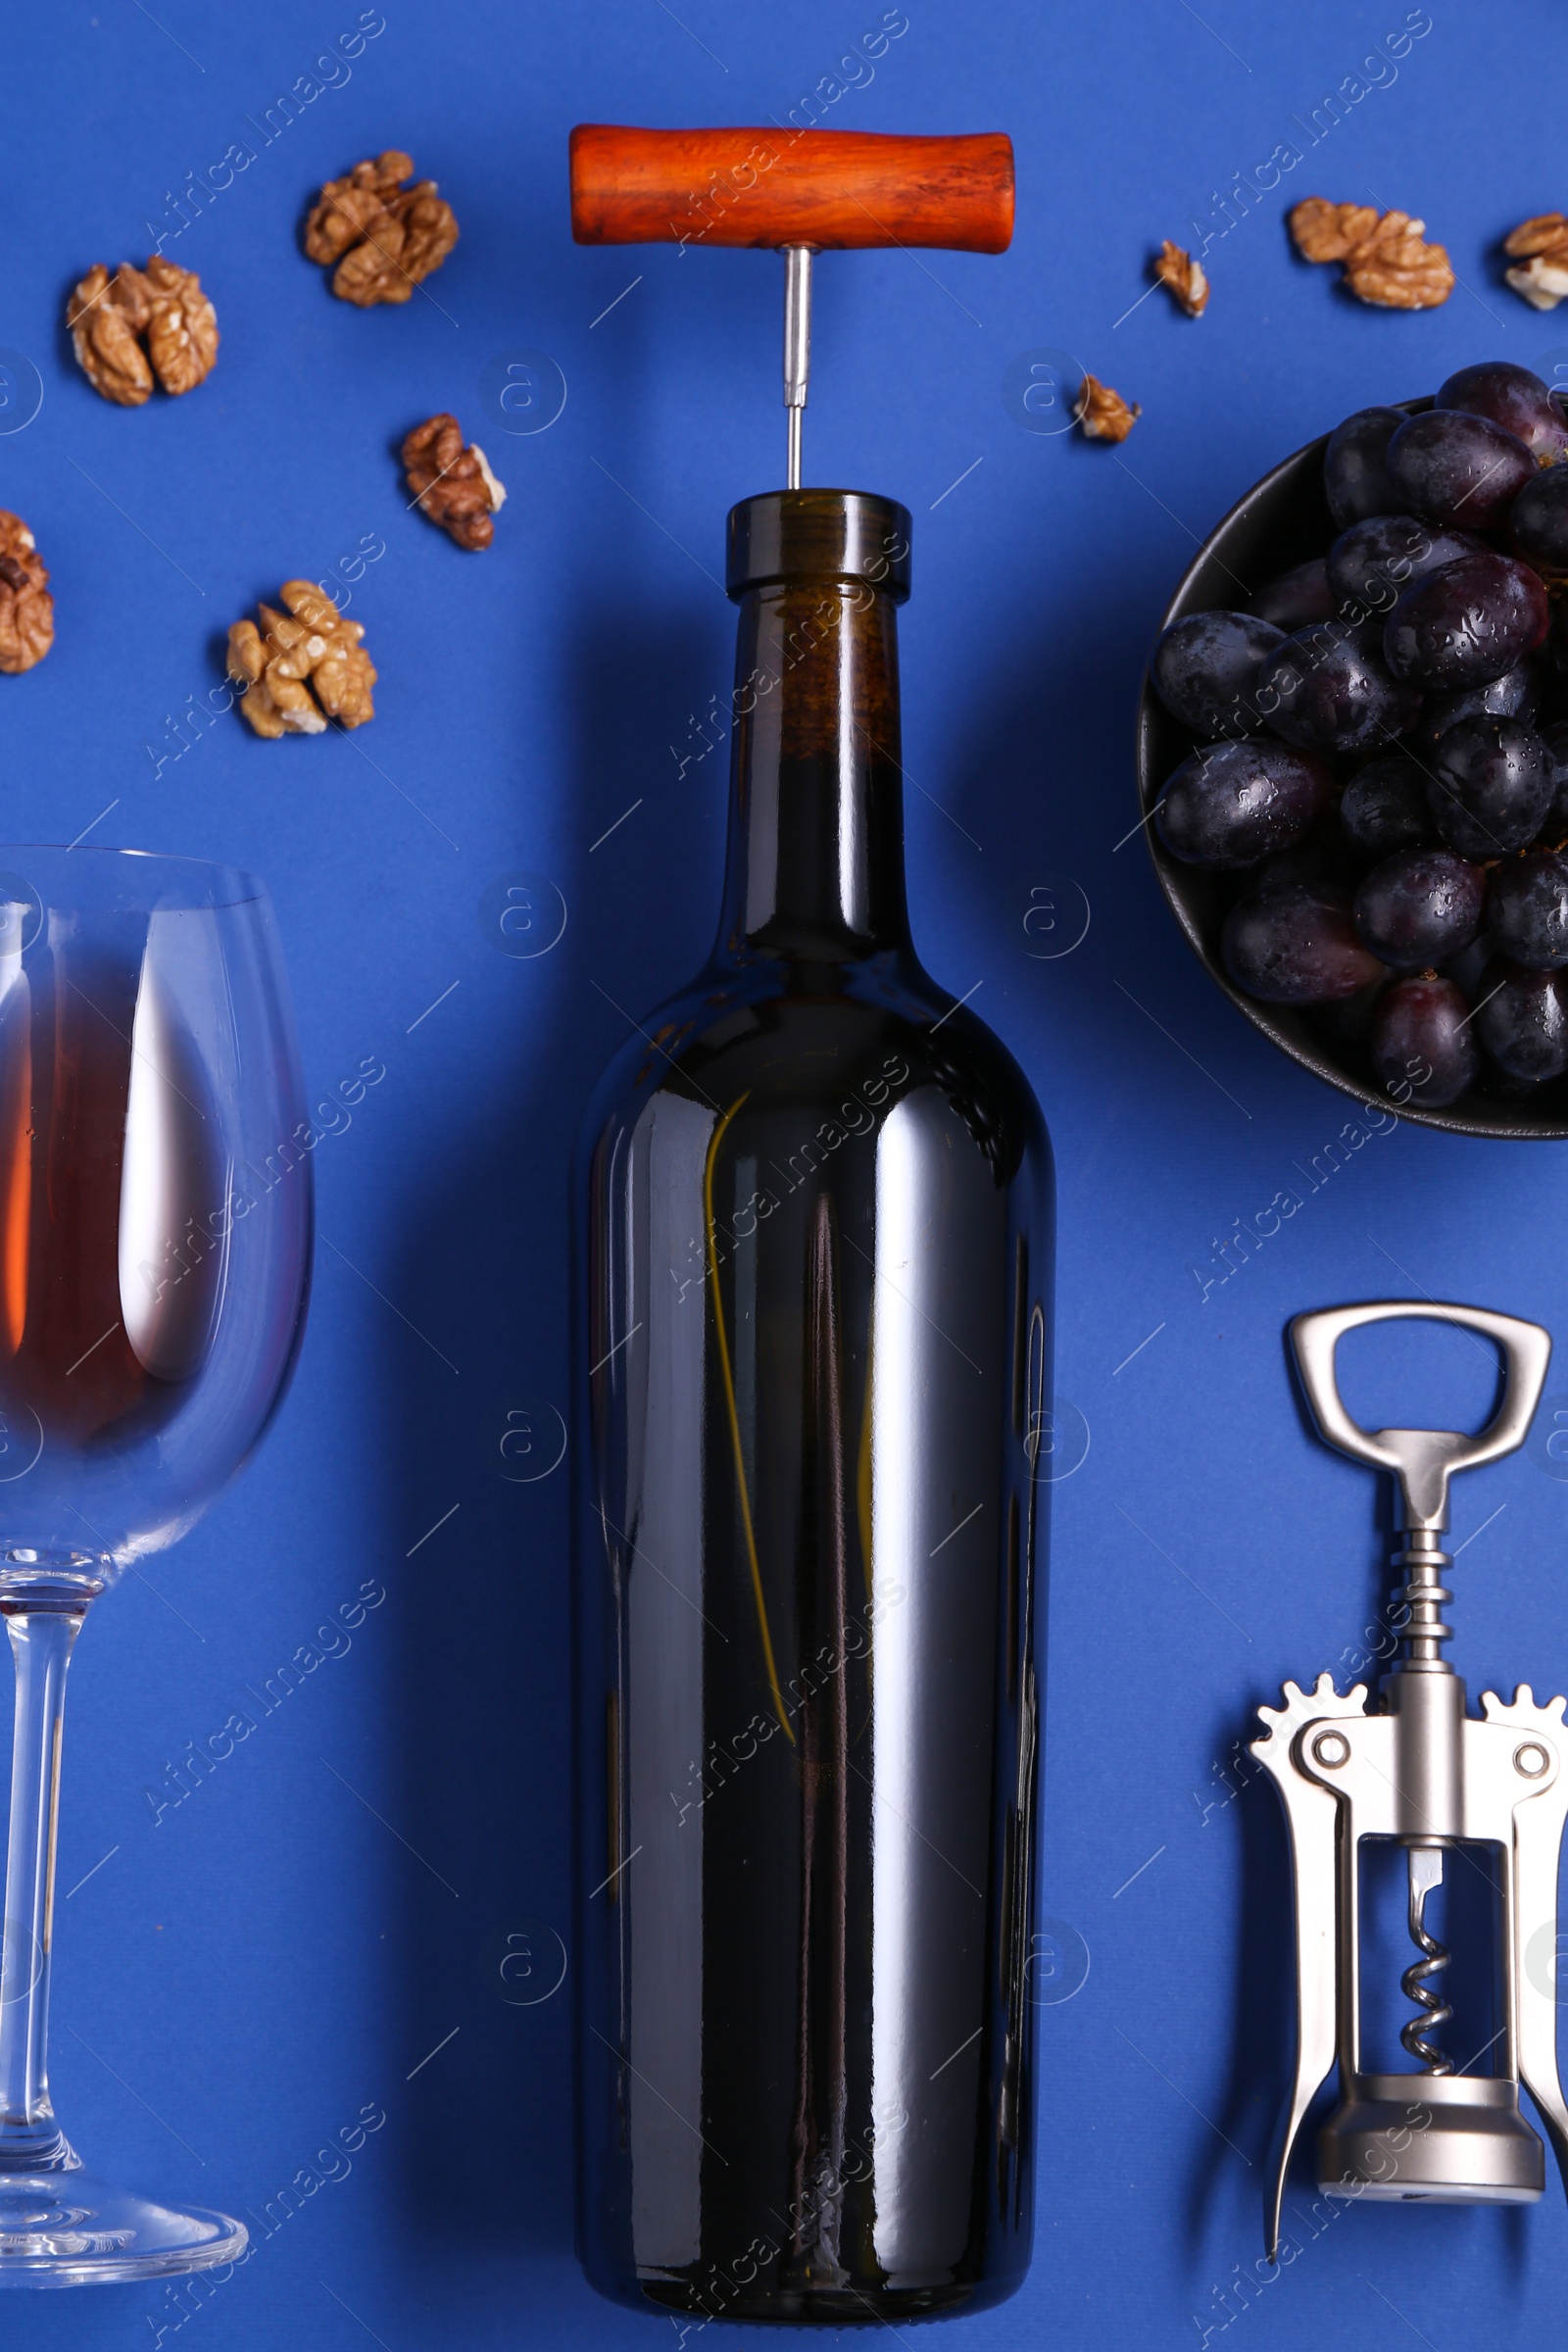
(1422, 1460)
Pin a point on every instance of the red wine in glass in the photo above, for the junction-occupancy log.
(103, 1316)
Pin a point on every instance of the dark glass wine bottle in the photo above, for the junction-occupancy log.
(811, 1541)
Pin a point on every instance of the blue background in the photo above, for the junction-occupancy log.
(237, 1981)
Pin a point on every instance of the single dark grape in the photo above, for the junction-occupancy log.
(1527, 910)
(1515, 695)
(1374, 561)
(1420, 907)
(1297, 947)
(1384, 808)
(1295, 598)
(1327, 689)
(1553, 825)
(1489, 786)
(1422, 1041)
(1232, 803)
(1523, 1021)
(1354, 476)
(1456, 468)
(1466, 624)
(1540, 518)
(1511, 396)
(1204, 670)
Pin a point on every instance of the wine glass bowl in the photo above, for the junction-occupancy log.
(155, 1212)
(155, 1251)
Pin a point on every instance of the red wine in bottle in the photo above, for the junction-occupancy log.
(811, 1541)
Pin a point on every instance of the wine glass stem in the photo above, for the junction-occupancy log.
(41, 1643)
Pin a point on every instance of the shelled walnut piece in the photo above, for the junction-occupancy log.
(162, 303)
(1176, 269)
(1542, 244)
(383, 237)
(1103, 414)
(309, 641)
(26, 608)
(453, 485)
(1386, 261)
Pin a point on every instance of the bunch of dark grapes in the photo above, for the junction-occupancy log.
(1381, 750)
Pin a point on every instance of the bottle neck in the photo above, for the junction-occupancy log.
(816, 861)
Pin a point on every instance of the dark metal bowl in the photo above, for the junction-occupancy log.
(1283, 520)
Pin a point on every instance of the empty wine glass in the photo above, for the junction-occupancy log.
(154, 1250)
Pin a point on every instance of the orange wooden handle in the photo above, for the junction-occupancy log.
(833, 189)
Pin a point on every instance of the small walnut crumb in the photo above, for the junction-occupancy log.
(1386, 259)
(1542, 244)
(26, 608)
(161, 304)
(1103, 414)
(453, 485)
(382, 237)
(308, 641)
(1185, 277)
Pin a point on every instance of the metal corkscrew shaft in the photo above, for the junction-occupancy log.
(1428, 1703)
(796, 348)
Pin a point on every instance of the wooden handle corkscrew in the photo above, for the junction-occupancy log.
(802, 192)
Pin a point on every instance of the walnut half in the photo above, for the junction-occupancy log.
(165, 305)
(1542, 244)
(453, 485)
(26, 608)
(308, 645)
(1103, 414)
(382, 237)
(1386, 261)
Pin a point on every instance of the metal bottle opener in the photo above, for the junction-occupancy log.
(1420, 1771)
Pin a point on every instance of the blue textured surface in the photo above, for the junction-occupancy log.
(239, 1980)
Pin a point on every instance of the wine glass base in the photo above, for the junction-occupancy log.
(68, 2229)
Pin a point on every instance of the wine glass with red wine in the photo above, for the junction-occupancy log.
(155, 1252)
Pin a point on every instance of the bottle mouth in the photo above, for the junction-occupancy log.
(819, 535)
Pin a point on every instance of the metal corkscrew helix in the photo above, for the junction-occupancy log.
(1422, 1772)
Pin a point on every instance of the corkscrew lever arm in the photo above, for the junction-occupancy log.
(1311, 1815)
(1538, 1828)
